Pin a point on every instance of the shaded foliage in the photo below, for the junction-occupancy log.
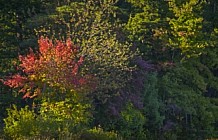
(145, 69)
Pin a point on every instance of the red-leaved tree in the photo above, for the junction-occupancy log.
(56, 65)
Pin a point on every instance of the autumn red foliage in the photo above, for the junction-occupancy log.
(56, 65)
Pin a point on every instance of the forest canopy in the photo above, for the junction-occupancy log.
(109, 69)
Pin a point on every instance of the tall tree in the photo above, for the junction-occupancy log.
(93, 27)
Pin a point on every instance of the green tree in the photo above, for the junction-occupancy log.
(92, 26)
(153, 106)
(193, 112)
(180, 37)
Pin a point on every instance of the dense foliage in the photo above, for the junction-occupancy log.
(109, 69)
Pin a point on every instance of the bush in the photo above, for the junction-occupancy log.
(20, 123)
(97, 133)
(132, 122)
(54, 120)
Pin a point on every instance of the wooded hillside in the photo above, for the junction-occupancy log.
(109, 69)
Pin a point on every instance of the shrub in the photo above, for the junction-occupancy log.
(20, 123)
(54, 119)
(97, 133)
(132, 122)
